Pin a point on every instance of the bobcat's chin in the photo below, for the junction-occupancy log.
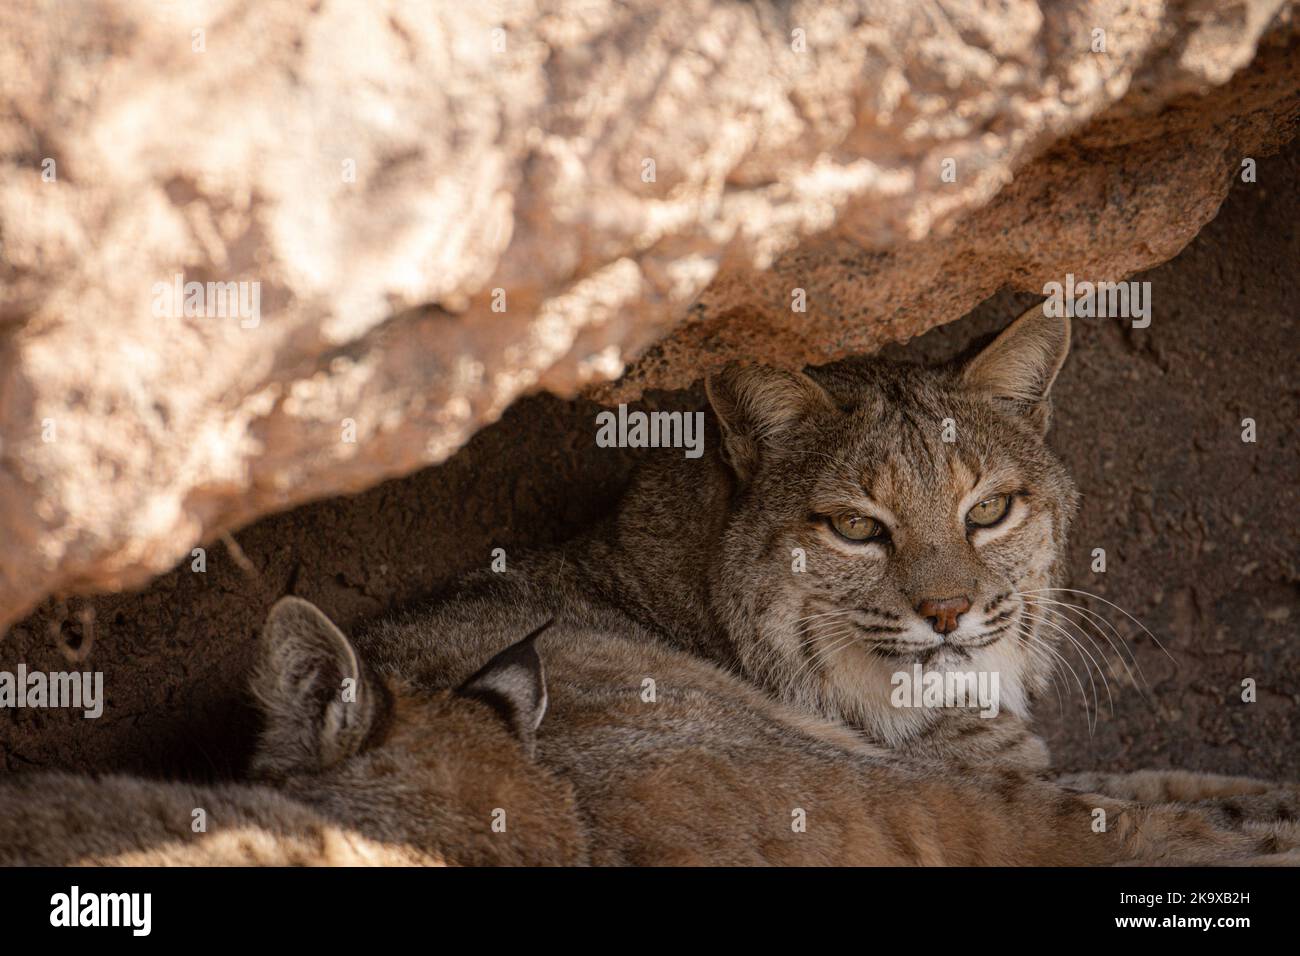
(940, 656)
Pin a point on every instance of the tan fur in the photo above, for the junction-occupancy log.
(1180, 786)
(712, 770)
(397, 777)
(61, 819)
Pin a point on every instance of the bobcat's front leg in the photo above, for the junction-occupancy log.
(1039, 823)
(1201, 834)
(1236, 799)
(1172, 786)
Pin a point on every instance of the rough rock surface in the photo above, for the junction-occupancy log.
(1200, 531)
(388, 173)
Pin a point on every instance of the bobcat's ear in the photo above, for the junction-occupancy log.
(514, 685)
(1020, 365)
(755, 404)
(318, 704)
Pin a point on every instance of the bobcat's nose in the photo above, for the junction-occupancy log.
(942, 613)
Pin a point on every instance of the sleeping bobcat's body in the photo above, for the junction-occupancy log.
(699, 767)
(844, 526)
(367, 775)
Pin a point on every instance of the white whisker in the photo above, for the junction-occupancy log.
(1083, 694)
(1098, 597)
(1093, 617)
(1084, 651)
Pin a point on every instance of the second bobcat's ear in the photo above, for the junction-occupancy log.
(1020, 365)
(514, 685)
(755, 404)
(318, 705)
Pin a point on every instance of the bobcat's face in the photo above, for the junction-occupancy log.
(889, 516)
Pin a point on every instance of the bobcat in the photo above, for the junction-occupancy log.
(846, 524)
(910, 548)
(386, 776)
(676, 762)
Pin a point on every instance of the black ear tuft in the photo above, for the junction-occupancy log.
(513, 683)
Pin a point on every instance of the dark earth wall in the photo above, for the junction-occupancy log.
(1199, 529)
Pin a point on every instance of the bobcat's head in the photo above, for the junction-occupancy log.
(885, 515)
(448, 774)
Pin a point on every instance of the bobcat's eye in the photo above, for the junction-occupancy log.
(989, 511)
(857, 527)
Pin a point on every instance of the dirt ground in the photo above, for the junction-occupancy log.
(1199, 530)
